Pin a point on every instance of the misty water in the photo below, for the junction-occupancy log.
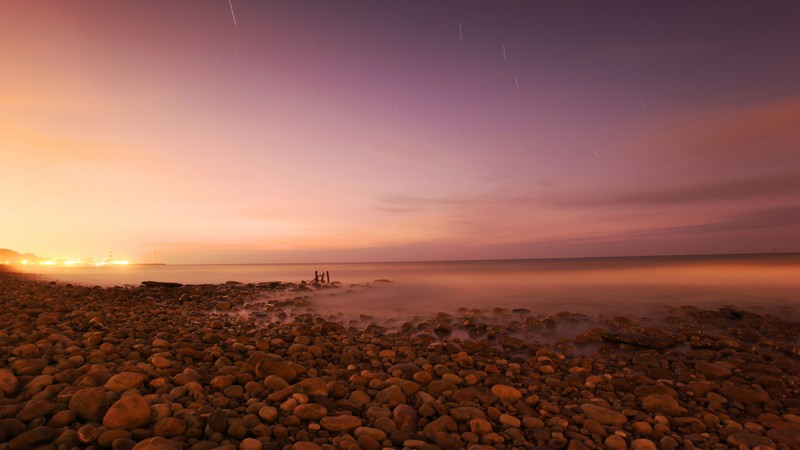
(768, 283)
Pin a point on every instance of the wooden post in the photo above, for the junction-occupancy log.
(328, 275)
(316, 277)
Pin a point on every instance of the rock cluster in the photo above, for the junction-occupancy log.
(254, 367)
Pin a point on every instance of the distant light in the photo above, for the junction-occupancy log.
(25, 262)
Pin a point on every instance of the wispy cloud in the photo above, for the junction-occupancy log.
(779, 185)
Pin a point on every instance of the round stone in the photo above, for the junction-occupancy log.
(506, 393)
(128, 413)
(89, 404)
(339, 424)
(121, 382)
(310, 411)
(604, 416)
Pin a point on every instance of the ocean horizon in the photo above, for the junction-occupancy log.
(598, 285)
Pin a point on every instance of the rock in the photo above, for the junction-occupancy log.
(374, 433)
(712, 370)
(89, 433)
(405, 417)
(304, 445)
(338, 424)
(391, 396)
(268, 413)
(442, 424)
(310, 411)
(744, 394)
(506, 393)
(250, 444)
(467, 413)
(662, 403)
(604, 416)
(27, 351)
(169, 427)
(63, 419)
(121, 382)
(480, 426)
(273, 366)
(8, 382)
(89, 404)
(643, 444)
(640, 340)
(36, 408)
(368, 443)
(314, 386)
(218, 420)
(157, 284)
(575, 444)
(108, 437)
(159, 362)
(788, 436)
(157, 443)
(128, 413)
(510, 421)
(32, 438)
(749, 440)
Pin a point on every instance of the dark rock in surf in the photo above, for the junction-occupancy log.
(640, 340)
(166, 284)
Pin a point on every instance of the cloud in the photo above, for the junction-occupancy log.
(749, 124)
(727, 139)
(752, 220)
(747, 188)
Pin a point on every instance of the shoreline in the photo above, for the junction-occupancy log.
(258, 366)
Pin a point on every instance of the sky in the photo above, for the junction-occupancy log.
(249, 131)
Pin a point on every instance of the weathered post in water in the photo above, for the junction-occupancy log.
(328, 276)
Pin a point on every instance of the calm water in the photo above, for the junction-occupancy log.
(770, 283)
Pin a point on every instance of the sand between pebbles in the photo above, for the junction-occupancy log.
(256, 367)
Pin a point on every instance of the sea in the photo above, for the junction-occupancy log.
(765, 283)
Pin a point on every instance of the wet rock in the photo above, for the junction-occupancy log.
(640, 340)
(160, 284)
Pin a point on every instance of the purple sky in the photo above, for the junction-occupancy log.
(351, 131)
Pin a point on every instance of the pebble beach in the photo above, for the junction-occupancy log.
(257, 366)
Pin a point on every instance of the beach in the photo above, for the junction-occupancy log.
(265, 366)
